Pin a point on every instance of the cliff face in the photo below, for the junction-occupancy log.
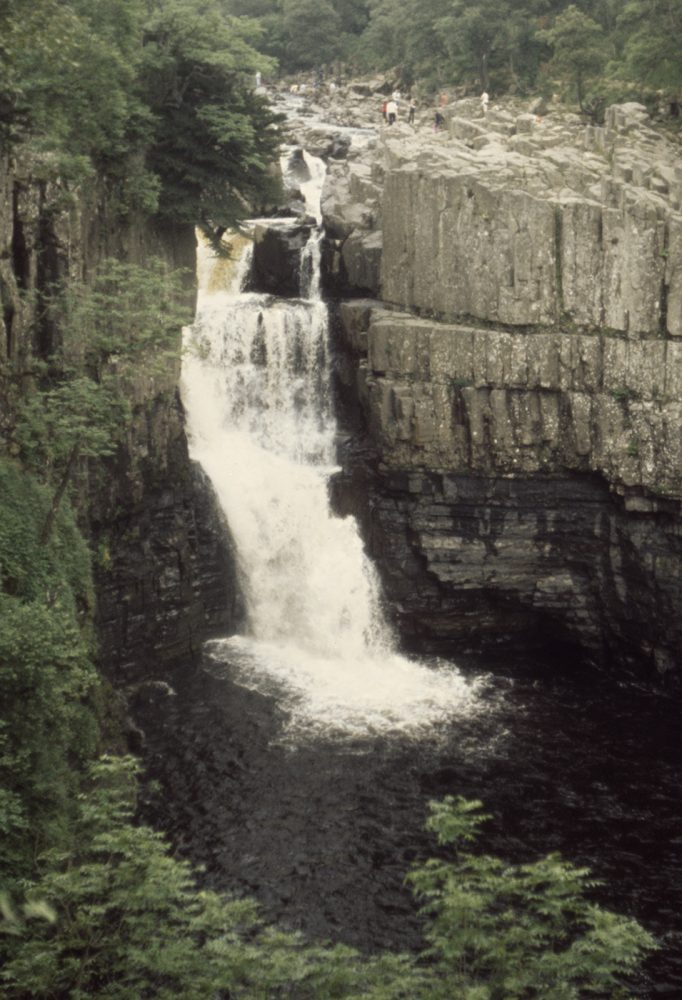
(520, 376)
(164, 573)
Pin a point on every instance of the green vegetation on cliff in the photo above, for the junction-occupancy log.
(48, 730)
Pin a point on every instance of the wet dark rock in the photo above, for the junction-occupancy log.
(293, 208)
(297, 168)
(339, 148)
(165, 572)
(276, 267)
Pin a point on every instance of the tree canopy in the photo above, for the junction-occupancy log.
(579, 46)
(491, 44)
(156, 99)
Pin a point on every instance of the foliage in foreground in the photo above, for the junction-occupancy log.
(500, 932)
(117, 917)
(47, 678)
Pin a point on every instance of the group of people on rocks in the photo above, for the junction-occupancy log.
(391, 106)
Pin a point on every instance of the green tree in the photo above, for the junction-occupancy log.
(354, 15)
(252, 8)
(127, 317)
(580, 49)
(309, 34)
(653, 29)
(476, 37)
(214, 140)
(47, 679)
(443, 42)
(506, 932)
(155, 100)
(68, 71)
(116, 917)
(383, 43)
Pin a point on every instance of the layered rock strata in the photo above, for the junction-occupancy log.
(520, 376)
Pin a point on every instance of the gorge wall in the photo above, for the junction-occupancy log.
(509, 323)
(164, 572)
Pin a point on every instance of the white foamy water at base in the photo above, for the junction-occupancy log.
(356, 696)
(256, 390)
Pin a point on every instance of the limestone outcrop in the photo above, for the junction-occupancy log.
(520, 375)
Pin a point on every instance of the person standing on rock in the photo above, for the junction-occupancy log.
(391, 112)
(484, 102)
(413, 108)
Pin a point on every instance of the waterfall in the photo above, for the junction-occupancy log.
(256, 389)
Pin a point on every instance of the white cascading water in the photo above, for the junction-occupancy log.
(256, 389)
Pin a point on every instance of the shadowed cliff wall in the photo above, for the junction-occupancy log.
(164, 571)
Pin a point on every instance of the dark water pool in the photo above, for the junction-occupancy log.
(324, 832)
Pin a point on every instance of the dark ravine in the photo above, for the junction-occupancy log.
(548, 563)
(564, 757)
(550, 557)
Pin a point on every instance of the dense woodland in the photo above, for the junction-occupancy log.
(606, 49)
(153, 103)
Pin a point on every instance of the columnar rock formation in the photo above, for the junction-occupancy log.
(520, 371)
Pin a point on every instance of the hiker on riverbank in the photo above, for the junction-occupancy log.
(391, 112)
